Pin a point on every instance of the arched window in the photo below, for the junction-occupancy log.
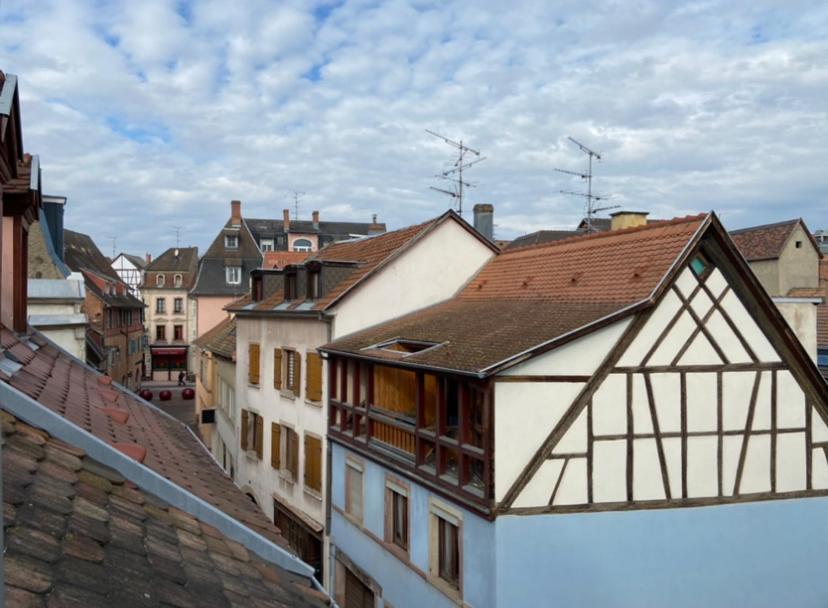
(159, 280)
(177, 280)
(302, 245)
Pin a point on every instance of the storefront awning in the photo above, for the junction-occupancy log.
(167, 350)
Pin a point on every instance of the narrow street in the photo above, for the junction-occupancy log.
(178, 407)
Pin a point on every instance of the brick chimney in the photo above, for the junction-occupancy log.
(484, 220)
(316, 220)
(286, 219)
(628, 219)
(149, 258)
(235, 213)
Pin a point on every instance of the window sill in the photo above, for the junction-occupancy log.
(251, 455)
(316, 404)
(286, 394)
(399, 552)
(313, 493)
(256, 386)
(445, 587)
(285, 475)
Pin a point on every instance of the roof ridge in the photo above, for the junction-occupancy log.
(765, 226)
(609, 233)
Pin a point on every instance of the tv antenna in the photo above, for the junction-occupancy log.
(177, 235)
(114, 240)
(455, 174)
(296, 195)
(591, 199)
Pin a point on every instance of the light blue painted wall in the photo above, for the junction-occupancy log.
(751, 554)
(401, 585)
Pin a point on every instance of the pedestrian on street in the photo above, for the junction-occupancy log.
(181, 377)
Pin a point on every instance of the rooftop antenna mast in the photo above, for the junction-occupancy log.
(455, 174)
(591, 199)
(114, 240)
(177, 235)
(296, 195)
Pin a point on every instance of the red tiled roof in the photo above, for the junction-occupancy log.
(221, 339)
(532, 295)
(763, 242)
(79, 534)
(280, 259)
(66, 386)
(823, 269)
(822, 325)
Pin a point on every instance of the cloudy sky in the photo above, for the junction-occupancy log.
(155, 114)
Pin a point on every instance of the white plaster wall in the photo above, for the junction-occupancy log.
(580, 357)
(432, 270)
(71, 339)
(303, 335)
(802, 317)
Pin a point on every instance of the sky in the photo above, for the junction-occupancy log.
(153, 115)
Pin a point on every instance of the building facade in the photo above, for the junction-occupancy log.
(131, 270)
(281, 382)
(625, 408)
(169, 318)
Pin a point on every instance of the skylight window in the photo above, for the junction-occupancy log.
(700, 265)
(405, 347)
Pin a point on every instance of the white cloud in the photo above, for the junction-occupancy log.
(155, 114)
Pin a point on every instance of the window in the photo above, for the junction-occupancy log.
(291, 452)
(290, 286)
(444, 545)
(313, 386)
(159, 280)
(178, 280)
(227, 398)
(231, 241)
(252, 433)
(233, 275)
(293, 370)
(178, 333)
(313, 285)
(313, 463)
(353, 489)
(275, 446)
(161, 305)
(700, 265)
(396, 513)
(258, 289)
(178, 305)
(253, 364)
(160, 333)
(266, 245)
(302, 245)
(799, 244)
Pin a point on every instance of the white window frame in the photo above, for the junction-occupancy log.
(160, 280)
(307, 247)
(231, 273)
(267, 245)
(231, 241)
(178, 280)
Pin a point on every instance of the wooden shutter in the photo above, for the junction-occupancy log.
(313, 463)
(294, 453)
(297, 365)
(244, 430)
(275, 445)
(259, 437)
(277, 368)
(357, 593)
(253, 363)
(313, 388)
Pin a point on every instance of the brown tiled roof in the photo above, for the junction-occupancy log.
(81, 253)
(84, 397)
(532, 295)
(221, 340)
(763, 242)
(79, 534)
(823, 269)
(542, 236)
(280, 259)
(822, 324)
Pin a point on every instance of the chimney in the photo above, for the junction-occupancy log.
(235, 213)
(176, 252)
(628, 219)
(316, 220)
(484, 220)
(374, 227)
(286, 220)
(148, 258)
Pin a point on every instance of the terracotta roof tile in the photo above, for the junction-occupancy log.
(280, 259)
(532, 295)
(763, 242)
(79, 534)
(220, 340)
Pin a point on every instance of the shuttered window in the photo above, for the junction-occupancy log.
(293, 371)
(292, 453)
(259, 437)
(275, 445)
(277, 368)
(244, 429)
(357, 593)
(313, 388)
(313, 463)
(253, 363)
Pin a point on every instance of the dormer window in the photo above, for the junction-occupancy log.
(266, 245)
(233, 275)
(313, 285)
(302, 245)
(231, 241)
(160, 280)
(178, 280)
(290, 286)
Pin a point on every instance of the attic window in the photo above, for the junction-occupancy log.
(405, 347)
(231, 241)
(700, 265)
(290, 286)
(159, 280)
(799, 244)
(178, 280)
(258, 288)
